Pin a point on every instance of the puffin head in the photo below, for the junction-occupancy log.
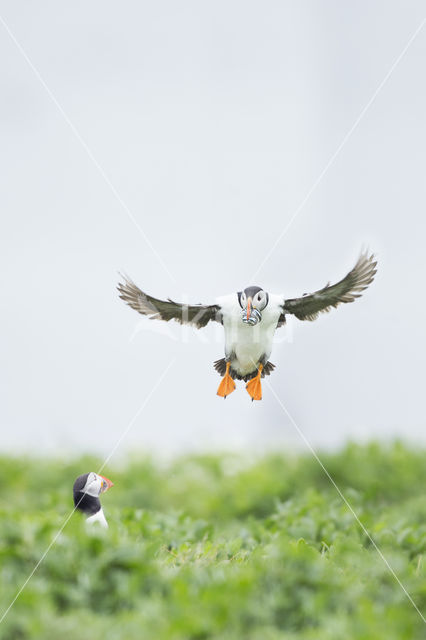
(86, 491)
(252, 301)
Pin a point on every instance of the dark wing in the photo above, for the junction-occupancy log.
(309, 306)
(198, 315)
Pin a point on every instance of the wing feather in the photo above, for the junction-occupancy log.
(197, 315)
(309, 306)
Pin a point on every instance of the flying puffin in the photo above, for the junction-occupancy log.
(250, 318)
(87, 489)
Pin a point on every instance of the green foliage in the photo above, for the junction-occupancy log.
(215, 547)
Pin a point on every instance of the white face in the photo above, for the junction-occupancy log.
(259, 300)
(95, 485)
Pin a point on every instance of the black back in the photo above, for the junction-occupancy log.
(82, 501)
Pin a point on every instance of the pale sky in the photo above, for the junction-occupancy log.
(194, 131)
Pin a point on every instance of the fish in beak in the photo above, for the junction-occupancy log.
(251, 315)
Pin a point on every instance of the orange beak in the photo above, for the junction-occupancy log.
(248, 308)
(109, 483)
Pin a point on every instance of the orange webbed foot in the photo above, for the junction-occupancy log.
(227, 384)
(254, 386)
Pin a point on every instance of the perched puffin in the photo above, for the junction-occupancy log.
(87, 489)
(250, 318)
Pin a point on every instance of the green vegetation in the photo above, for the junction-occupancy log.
(214, 547)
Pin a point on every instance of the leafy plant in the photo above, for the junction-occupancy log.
(214, 547)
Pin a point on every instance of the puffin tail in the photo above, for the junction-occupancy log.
(220, 366)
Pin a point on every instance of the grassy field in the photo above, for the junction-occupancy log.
(214, 547)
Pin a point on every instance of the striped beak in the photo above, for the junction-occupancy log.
(249, 304)
(106, 484)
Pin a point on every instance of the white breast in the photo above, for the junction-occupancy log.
(98, 517)
(248, 344)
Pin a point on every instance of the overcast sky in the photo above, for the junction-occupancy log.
(174, 141)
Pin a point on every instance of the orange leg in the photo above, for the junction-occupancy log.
(227, 384)
(254, 386)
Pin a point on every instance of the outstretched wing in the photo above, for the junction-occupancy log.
(309, 306)
(198, 315)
